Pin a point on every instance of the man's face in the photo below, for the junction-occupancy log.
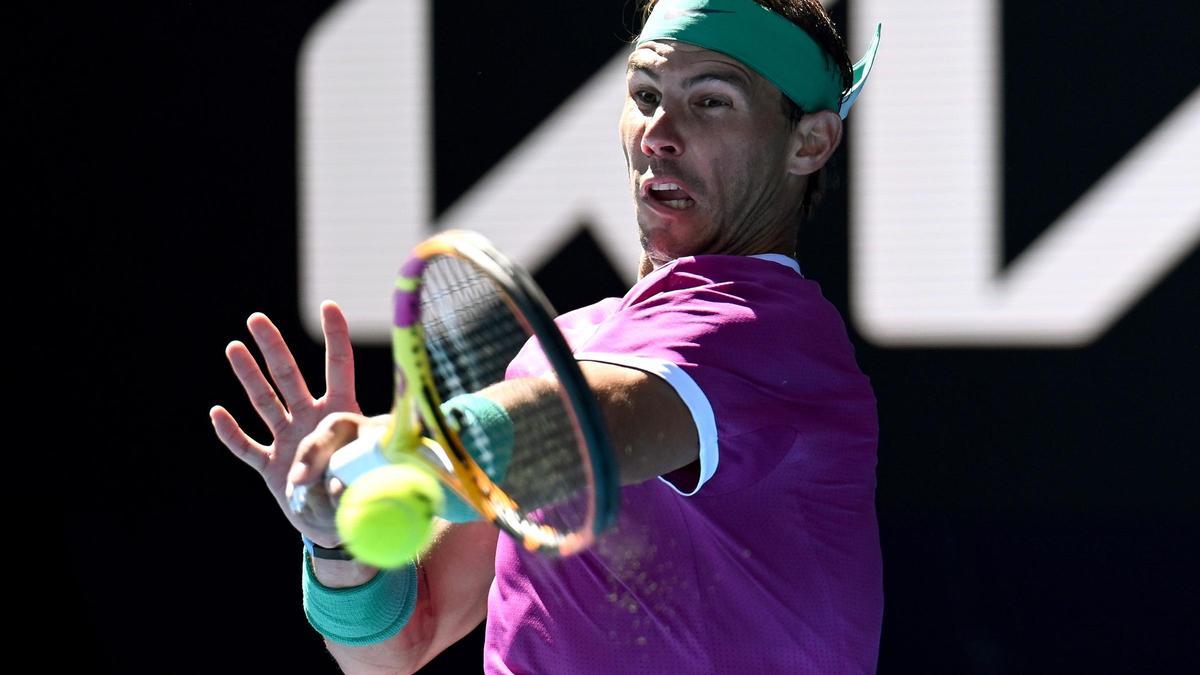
(707, 144)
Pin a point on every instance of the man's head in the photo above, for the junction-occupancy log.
(746, 158)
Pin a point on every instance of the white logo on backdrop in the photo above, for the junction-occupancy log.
(924, 184)
(925, 166)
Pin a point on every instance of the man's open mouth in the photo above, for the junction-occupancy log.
(670, 195)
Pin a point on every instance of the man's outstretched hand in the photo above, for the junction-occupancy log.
(296, 416)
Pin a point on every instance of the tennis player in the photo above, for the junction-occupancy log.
(745, 431)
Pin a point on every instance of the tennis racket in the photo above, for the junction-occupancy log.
(462, 312)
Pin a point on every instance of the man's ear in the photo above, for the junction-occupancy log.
(814, 139)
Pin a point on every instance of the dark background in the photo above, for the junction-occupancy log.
(1038, 507)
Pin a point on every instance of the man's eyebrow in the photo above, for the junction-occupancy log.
(730, 77)
(639, 67)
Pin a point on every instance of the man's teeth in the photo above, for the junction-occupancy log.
(678, 203)
(683, 203)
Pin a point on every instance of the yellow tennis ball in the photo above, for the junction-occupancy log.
(386, 516)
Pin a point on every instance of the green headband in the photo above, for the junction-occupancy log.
(776, 48)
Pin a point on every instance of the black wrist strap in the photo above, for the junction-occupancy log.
(318, 551)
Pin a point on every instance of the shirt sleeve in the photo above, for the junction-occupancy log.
(723, 348)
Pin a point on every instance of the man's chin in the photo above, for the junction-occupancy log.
(661, 247)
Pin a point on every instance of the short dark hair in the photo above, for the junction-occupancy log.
(811, 17)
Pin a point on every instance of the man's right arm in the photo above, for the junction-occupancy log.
(453, 578)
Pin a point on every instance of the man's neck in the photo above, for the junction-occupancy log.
(646, 263)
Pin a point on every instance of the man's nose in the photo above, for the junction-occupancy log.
(661, 137)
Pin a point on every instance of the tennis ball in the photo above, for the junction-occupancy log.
(386, 516)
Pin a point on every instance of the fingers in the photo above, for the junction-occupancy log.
(280, 362)
(312, 455)
(242, 446)
(261, 393)
(339, 356)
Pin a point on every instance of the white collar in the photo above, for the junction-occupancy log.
(785, 260)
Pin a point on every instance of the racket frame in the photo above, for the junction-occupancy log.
(417, 399)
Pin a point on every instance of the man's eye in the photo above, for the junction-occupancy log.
(711, 102)
(646, 97)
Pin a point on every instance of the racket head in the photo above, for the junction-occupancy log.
(463, 311)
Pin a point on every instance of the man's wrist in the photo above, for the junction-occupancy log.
(342, 573)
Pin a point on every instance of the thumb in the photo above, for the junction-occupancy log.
(312, 455)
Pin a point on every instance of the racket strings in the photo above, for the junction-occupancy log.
(472, 333)
(546, 468)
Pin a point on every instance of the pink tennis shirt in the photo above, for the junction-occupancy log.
(769, 561)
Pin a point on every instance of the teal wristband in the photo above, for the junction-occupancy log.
(487, 433)
(361, 615)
